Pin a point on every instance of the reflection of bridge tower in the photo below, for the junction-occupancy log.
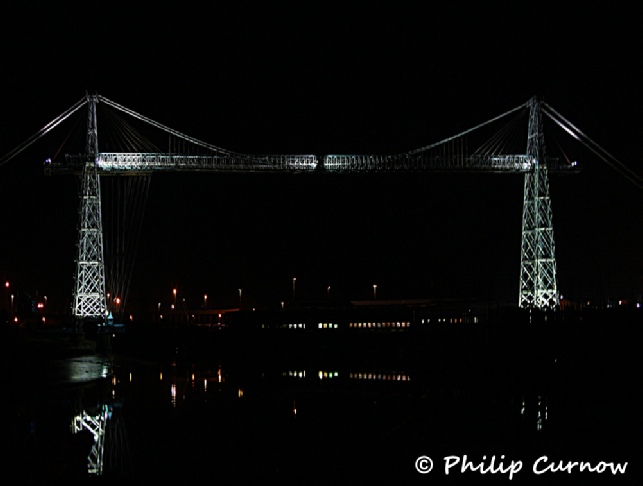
(89, 288)
(110, 452)
(96, 424)
(537, 262)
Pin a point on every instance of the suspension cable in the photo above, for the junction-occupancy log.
(167, 129)
(427, 147)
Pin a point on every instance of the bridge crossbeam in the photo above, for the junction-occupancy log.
(133, 163)
(431, 163)
(137, 163)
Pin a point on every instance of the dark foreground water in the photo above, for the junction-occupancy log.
(196, 407)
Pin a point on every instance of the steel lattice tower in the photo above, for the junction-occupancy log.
(538, 288)
(89, 288)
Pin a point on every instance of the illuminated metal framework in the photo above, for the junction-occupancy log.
(538, 265)
(131, 163)
(96, 424)
(538, 286)
(143, 163)
(422, 162)
(89, 299)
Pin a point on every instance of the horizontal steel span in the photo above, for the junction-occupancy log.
(137, 163)
(143, 163)
(421, 162)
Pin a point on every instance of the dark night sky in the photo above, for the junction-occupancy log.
(319, 78)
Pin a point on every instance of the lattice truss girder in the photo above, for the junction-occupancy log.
(132, 163)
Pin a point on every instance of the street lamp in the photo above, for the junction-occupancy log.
(174, 293)
(294, 281)
(374, 292)
(328, 291)
(240, 291)
(205, 301)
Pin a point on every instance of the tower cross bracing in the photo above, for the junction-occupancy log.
(89, 298)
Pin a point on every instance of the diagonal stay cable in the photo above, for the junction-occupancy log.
(551, 113)
(43, 131)
(618, 167)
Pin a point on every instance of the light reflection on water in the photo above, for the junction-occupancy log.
(305, 409)
(75, 370)
(219, 394)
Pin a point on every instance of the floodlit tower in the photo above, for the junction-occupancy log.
(538, 288)
(89, 289)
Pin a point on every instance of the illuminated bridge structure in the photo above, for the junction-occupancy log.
(538, 278)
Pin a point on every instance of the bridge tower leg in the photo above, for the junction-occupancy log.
(89, 300)
(538, 286)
